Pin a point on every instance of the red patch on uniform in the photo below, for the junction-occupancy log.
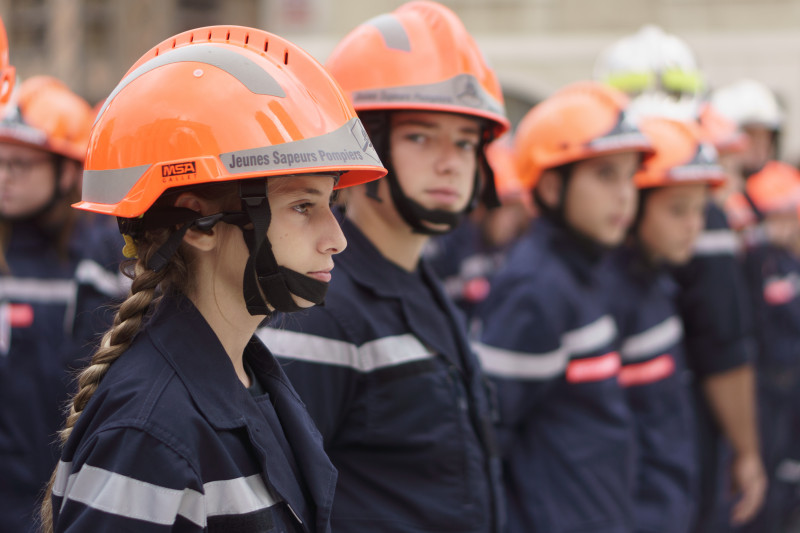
(20, 315)
(593, 368)
(476, 290)
(779, 292)
(647, 372)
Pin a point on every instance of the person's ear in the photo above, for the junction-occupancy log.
(70, 178)
(203, 241)
(549, 188)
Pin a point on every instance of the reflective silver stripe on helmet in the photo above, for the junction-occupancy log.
(344, 147)
(463, 90)
(110, 186)
(240, 67)
(392, 30)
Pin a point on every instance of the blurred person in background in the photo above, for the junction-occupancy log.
(659, 70)
(467, 257)
(57, 272)
(673, 186)
(773, 270)
(547, 337)
(385, 367)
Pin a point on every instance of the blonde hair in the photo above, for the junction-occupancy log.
(146, 289)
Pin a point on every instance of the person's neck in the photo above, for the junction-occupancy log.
(387, 231)
(233, 325)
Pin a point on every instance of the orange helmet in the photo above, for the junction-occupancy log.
(775, 188)
(723, 133)
(418, 57)
(217, 104)
(48, 116)
(580, 121)
(7, 71)
(680, 155)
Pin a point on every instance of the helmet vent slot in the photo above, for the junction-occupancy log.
(228, 36)
(286, 57)
(191, 38)
(174, 42)
(266, 45)
(209, 35)
(247, 38)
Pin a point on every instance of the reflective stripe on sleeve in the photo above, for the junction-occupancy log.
(653, 341)
(380, 353)
(36, 290)
(717, 242)
(521, 365)
(592, 337)
(127, 497)
(91, 273)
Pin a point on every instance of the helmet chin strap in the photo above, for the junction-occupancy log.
(265, 282)
(418, 217)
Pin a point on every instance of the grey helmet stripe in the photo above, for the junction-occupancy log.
(393, 32)
(344, 147)
(347, 146)
(110, 186)
(240, 67)
(463, 90)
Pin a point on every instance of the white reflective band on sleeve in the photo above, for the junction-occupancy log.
(380, 353)
(510, 364)
(717, 242)
(131, 498)
(34, 290)
(597, 335)
(91, 273)
(654, 341)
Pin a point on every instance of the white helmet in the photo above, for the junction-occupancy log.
(748, 102)
(657, 69)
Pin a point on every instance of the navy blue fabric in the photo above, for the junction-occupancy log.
(171, 412)
(718, 326)
(36, 367)
(410, 436)
(568, 445)
(774, 278)
(466, 264)
(715, 307)
(642, 298)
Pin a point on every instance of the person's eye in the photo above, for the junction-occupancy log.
(467, 145)
(303, 208)
(417, 138)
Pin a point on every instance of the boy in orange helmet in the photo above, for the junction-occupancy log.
(547, 336)
(673, 186)
(385, 367)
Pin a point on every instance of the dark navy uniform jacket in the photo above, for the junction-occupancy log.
(714, 301)
(774, 278)
(47, 319)
(386, 371)
(172, 441)
(566, 428)
(642, 299)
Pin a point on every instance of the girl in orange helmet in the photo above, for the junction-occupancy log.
(385, 367)
(547, 336)
(673, 186)
(218, 152)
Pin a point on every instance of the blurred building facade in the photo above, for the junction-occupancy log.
(536, 46)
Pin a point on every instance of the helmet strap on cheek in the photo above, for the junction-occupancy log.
(265, 280)
(415, 215)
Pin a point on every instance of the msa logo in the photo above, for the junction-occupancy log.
(178, 169)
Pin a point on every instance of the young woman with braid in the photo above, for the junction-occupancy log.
(218, 152)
